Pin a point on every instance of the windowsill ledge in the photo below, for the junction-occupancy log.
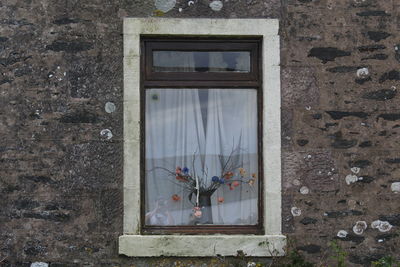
(201, 245)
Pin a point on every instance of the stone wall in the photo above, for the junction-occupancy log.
(61, 120)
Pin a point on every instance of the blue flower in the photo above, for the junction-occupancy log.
(185, 170)
(215, 179)
(222, 181)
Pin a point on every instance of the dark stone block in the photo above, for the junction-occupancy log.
(37, 179)
(352, 238)
(26, 204)
(380, 95)
(49, 216)
(362, 163)
(389, 116)
(373, 13)
(365, 144)
(376, 56)
(311, 249)
(366, 179)
(386, 236)
(317, 116)
(340, 143)
(392, 75)
(327, 53)
(6, 80)
(393, 219)
(3, 39)
(365, 259)
(362, 81)
(370, 48)
(343, 213)
(392, 160)
(337, 115)
(308, 220)
(81, 116)
(302, 142)
(63, 21)
(377, 35)
(69, 47)
(343, 69)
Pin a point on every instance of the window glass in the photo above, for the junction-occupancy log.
(201, 156)
(201, 61)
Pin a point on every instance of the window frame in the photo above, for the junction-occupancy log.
(204, 80)
(271, 242)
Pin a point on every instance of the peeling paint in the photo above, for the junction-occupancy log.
(359, 227)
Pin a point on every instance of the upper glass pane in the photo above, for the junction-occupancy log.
(201, 61)
(201, 157)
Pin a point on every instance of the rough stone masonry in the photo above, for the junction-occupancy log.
(61, 123)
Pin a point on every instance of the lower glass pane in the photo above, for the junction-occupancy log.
(201, 157)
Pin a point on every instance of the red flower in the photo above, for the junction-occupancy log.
(175, 197)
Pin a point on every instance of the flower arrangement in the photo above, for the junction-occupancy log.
(202, 188)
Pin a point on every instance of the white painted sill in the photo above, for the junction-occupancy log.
(131, 243)
(202, 246)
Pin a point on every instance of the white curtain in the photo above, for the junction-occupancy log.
(178, 134)
(196, 128)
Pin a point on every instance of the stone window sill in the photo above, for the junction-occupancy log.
(201, 246)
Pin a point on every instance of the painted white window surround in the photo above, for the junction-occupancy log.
(272, 243)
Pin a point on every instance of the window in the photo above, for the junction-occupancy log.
(201, 137)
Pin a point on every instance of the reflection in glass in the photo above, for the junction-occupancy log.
(201, 61)
(201, 157)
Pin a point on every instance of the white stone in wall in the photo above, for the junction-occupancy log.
(362, 73)
(165, 5)
(342, 234)
(304, 190)
(109, 107)
(296, 211)
(359, 227)
(216, 5)
(395, 187)
(351, 178)
(39, 264)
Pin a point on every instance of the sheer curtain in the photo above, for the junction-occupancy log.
(196, 128)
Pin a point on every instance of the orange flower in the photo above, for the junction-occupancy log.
(175, 197)
(251, 182)
(220, 200)
(254, 175)
(178, 170)
(235, 183)
(181, 178)
(242, 172)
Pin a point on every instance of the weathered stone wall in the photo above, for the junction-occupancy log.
(61, 148)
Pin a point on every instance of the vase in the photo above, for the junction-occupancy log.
(206, 208)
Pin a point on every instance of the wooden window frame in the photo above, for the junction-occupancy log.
(204, 80)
